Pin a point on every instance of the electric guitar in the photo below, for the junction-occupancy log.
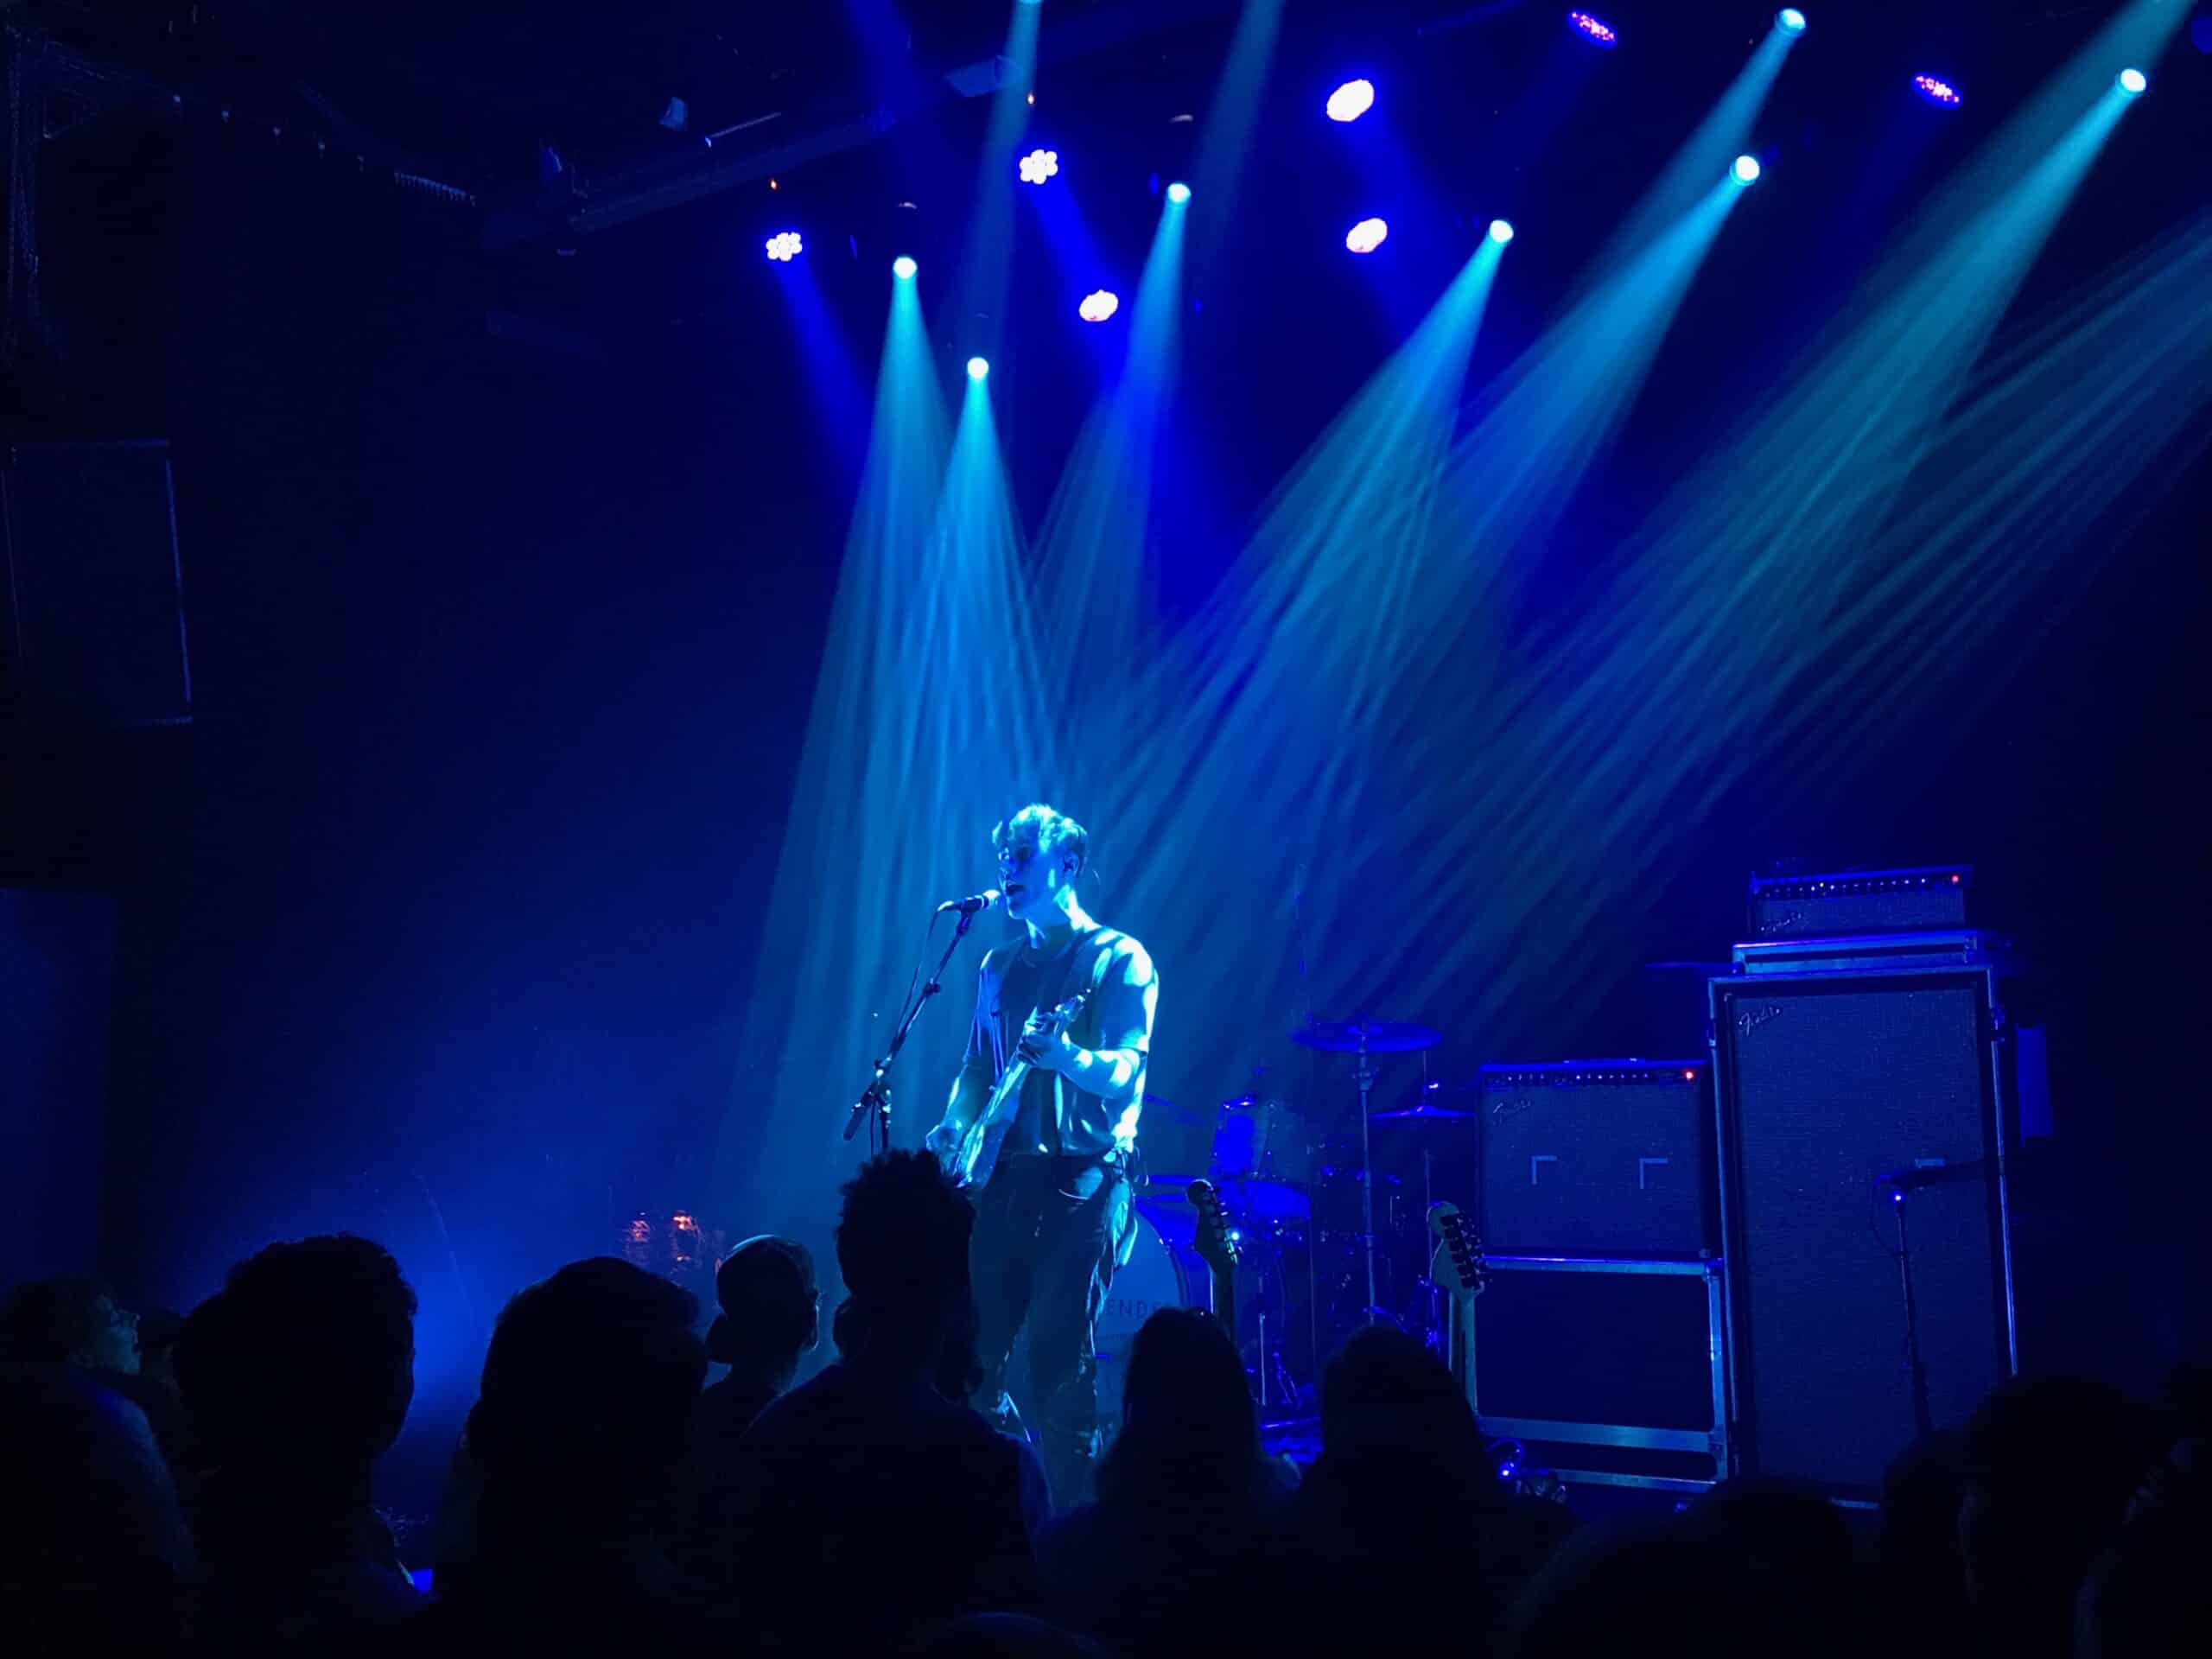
(1463, 1275)
(1217, 1249)
(977, 1155)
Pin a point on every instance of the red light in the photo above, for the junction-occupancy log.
(1954, 880)
(1689, 1077)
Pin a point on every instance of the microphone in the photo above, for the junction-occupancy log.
(1923, 1175)
(971, 906)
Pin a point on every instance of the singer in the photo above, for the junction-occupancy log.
(1054, 1215)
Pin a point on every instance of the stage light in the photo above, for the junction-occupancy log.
(785, 246)
(1595, 30)
(1178, 193)
(903, 268)
(2135, 82)
(1939, 93)
(978, 367)
(1790, 21)
(1099, 306)
(1366, 236)
(1040, 165)
(1746, 169)
(1351, 100)
(1500, 231)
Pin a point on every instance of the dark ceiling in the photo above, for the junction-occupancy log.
(469, 91)
(474, 89)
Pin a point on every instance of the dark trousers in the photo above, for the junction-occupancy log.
(1042, 1255)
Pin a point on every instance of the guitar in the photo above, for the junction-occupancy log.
(977, 1155)
(1463, 1275)
(1216, 1248)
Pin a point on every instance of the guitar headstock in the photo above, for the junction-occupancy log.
(1460, 1269)
(1214, 1245)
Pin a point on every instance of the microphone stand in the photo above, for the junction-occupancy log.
(878, 1092)
(1922, 1417)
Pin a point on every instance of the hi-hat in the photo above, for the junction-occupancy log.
(1375, 1036)
(1425, 1112)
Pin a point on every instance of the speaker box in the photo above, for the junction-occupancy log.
(1609, 1370)
(1596, 1158)
(88, 531)
(1830, 1086)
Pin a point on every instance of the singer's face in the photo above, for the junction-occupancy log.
(1031, 882)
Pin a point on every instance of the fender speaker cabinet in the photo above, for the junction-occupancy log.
(1866, 1098)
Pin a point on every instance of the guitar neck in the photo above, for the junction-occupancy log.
(1462, 1344)
(1006, 1092)
(1224, 1299)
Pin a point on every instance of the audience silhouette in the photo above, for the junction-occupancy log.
(770, 1316)
(600, 1498)
(1405, 1496)
(867, 1507)
(79, 1322)
(94, 1554)
(1173, 1551)
(573, 1446)
(295, 1378)
(2050, 1463)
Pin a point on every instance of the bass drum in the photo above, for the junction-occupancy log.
(1158, 1274)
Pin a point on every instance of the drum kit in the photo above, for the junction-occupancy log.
(1330, 1211)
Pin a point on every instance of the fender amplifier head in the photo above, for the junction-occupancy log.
(1913, 900)
(1596, 1158)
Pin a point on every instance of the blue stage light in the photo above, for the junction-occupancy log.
(1790, 21)
(2200, 33)
(1351, 100)
(2135, 82)
(1039, 165)
(1746, 169)
(1936, 92)
(785, 246)
(978, 367)
(1099, 306)
(1366, 236)
(1595, 30)
(903, 268)
(1500, 231)
(1178, 193)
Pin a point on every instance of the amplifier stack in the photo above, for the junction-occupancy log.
(1793, 1254)
(1597, 1344)
(1789, 1254)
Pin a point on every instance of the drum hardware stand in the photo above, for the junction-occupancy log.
(1366, 1075)
(1432, 1321)
(1313, 1217)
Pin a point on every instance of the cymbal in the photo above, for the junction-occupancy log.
(1376, 1036)
(1425, 1112)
